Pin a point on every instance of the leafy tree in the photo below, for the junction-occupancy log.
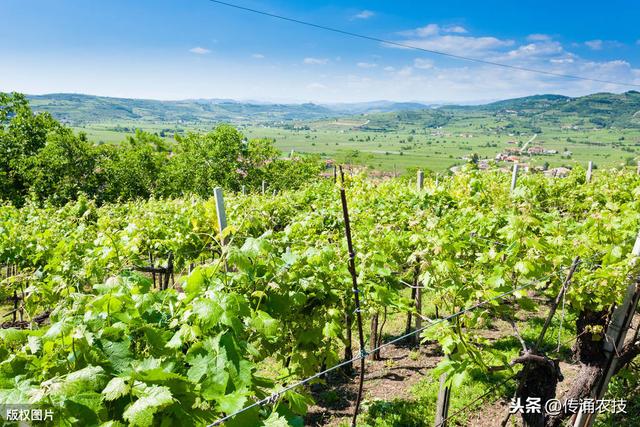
(22, 134)
(204, 161)
(285, 174)
(132, 169)
(42, 159)
(63, 169)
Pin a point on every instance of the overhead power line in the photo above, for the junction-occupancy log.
(434, 52)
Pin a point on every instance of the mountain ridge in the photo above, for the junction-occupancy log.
(77, 109)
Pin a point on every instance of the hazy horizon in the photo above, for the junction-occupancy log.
(300, 102)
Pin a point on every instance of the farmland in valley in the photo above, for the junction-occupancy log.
(603, 128)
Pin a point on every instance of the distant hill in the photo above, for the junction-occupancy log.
(77, 109)
(600, 109)
(375, 107)
(81, 109)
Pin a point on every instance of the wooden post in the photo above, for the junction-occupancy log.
(356, 297)
(244, 189)
(15, 305)
(407, 328)
(221, 213)
(168, 272)
(153, 273)
(418, 309)
(514, 177)
(418, 302)
(335, 173)
(222, 221)
(437, 179)
(554, 307)
(374, 336)
(291, 155)
(442, 407)
(589, 171)
(420, 180)
(638, 168)
(614, 340)
(264, 186)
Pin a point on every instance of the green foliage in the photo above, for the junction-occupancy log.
(218, 155)
(45, 161)
(22, 135)
(269, 307)
(63, 169)
(132, 169)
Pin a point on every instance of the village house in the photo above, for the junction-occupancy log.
(559, 172)
(483, 164)
(535, 150)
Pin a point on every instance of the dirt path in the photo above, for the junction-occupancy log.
(387, 379)
(400, 369)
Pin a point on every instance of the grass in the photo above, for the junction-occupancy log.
(419, 410)
(626, 385)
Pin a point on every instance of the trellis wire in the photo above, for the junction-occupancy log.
(477, 399)
(561, 321)
(364, 353)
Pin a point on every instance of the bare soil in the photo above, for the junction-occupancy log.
(390, 378)
(399, 369)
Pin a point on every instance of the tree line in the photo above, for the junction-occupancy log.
(44, 160)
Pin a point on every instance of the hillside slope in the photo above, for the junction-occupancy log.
(599, 110)
(78, 109)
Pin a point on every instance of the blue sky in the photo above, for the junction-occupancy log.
(171, 49)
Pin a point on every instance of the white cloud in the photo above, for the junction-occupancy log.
(315, 61)
(426, 31)
(199, 50)
(434, 37)
(365, 14)
(538, 37)
(389, 68)
(594, 44)
(603, 44)
(482, 83)
(423, 64)
(535, 50)
(458, 29)
(316, 86)
(257, 56)
(366, 65)
(562, 61)
(460, 45)
(405, 72)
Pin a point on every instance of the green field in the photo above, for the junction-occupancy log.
(603, 128)
(411, 145)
